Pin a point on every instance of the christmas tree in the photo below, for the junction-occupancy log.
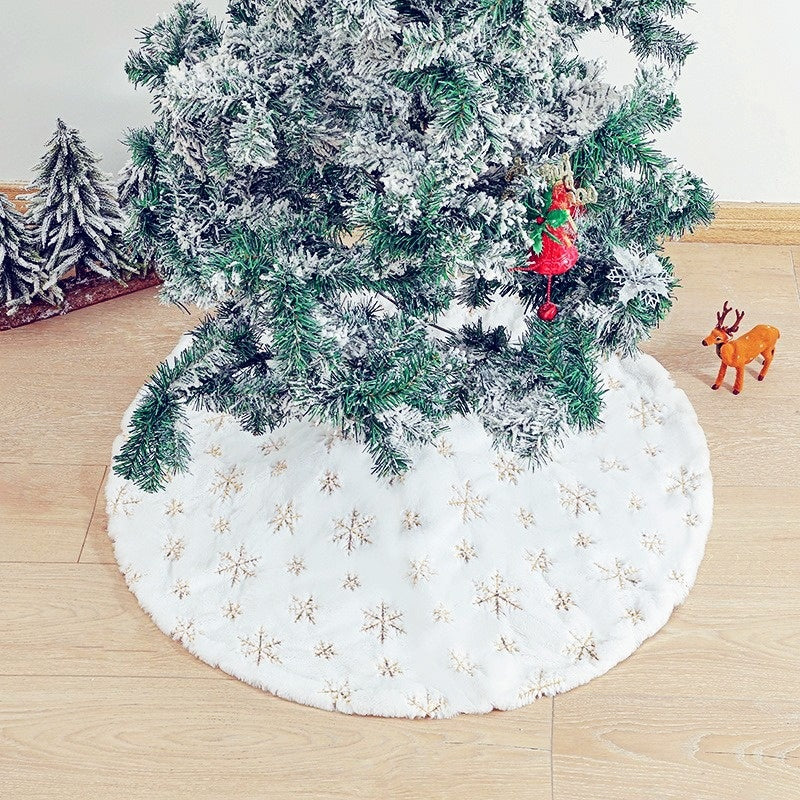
(75, 213)
(369, 193)
(19, 261)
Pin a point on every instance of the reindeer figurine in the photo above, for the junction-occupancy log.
(739, 352)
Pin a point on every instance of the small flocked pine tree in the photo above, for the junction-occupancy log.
(75, 213)
(359, 188)
(20, 267)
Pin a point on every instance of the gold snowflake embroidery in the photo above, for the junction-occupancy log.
(526, 518)
(228, 483)
(217, 421)
(122, 500)
(351, 582)
(221, 525)
(181, 589)
(237, 565)
(174, 508)
(678, 577)
(578, 499)
(304, 609)
(508, 469)
(634, 615)
(231, 610)
(332, 438)
(691, 520)
(505, 644)
(340, 694)
(581, 648)
(539, 561)
(651, 450)
(429, 706)
(411, 520)
(465, 551)
(174, 548)
(285, 516)
(542, 686)
(471, 505)
(325, 650)
(563, 600)
(296, 565)
(646, 413)
(442, 613)
(582, 540)
(329, 482)
(610, 464)
(131, 575)
(184, 631)
(384, 622)
(353, 532)
(215, 451)
(444, 448)
(278, 468)
(261, 647)
(684, 482)
(388, 668)
(653, 543)
(420, 570)
(624, 574)
(460, 662)
(272, 446)
(496, 594)
(613, 384)
(635, 503)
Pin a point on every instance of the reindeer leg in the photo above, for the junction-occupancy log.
(768, 355)
(738, 384)
(720, 375)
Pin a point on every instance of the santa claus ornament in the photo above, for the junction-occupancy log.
(553, 251)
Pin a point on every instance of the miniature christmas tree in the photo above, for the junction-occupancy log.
(361, 190)
(75, 213)
(20, 273)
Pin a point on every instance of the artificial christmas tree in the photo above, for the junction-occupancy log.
(75, 213)
(20, 268)
(364, 194)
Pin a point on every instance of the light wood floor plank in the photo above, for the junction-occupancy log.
(45, 510)
(88, 738)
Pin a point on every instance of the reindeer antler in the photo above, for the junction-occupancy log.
(726, 309)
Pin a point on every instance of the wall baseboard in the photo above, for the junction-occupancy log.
(735, 223)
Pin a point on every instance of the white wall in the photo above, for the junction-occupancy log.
(740, 92)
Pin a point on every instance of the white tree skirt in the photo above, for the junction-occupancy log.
(472, 584)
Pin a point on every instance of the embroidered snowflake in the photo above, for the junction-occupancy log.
(261, 647)
(505, 644)
(465, 551)
(411, 520)
(635, 503)
(221, 525)
(340, 694)
(181, 589)
(444, 448)
(217, 421)
(428, 706)
(582, 540)
(215, 451)
(613, 384)
(237, 565)
(526, 518)
(634, 615)
(304, 609)
(563, 600)
(231, 610)
(353, 532)
(542, 686)
(184, 631)
(329, 482)
(460, 662)
(123, 500)
(420, 570)
(691, 520)
(442, 613)
(296, 565)
(174, 548)
(174, 507)
(471, 504)
(582, 647)
(278, 468)
(331, 438)
(388, 668)
(496, 594)
(624, 574)
(131, 575)
(646, 413)
(384, 622)
(651, 450)
(351, 582)
(678, 577)
(611, 464)
(508, 469)
(272, 446)
(539, 561)
(653, 543)
(578, 499)
(285, 516)
(684, 482)
(325, 650)
(227, 484)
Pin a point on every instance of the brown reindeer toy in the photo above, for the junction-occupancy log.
(737, 353)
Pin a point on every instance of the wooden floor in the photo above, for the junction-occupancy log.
(96, 703)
